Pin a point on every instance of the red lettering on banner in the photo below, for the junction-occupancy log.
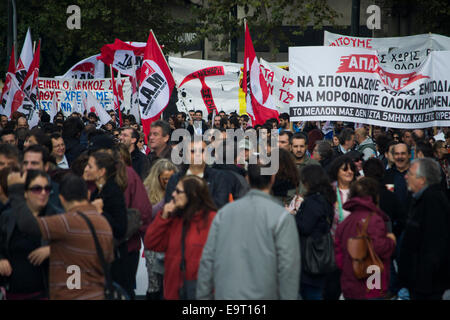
(367, 63)
(285, 81)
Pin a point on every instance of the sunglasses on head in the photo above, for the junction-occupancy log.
(38, 189)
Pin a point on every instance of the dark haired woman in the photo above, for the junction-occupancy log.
(24, 258)
(189, 213)
(286, 179)
(342, 172)
(109, 199)
(314, 219)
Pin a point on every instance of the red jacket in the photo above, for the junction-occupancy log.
(360, 208)
(164, 235)
(136, 197)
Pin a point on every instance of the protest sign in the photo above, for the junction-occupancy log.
(397, 53)
(279, 83)
(69, 93)
(349, 84)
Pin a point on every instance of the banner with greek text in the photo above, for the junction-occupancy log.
(279, 83)
(349, 84)
(69, 93)
(397, 53)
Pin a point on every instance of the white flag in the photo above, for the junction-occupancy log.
(89, 68)
(26, 57)
(92, 105)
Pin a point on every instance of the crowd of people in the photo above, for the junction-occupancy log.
(222, 230)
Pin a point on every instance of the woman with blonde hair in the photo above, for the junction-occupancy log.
(156, 183)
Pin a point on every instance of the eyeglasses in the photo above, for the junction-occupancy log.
(178, 191)
(39, 189)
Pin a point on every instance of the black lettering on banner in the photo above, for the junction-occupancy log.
(301, 81)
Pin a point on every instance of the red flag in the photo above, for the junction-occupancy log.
(260, 105)
(156, 84)
(122, 56)
(7, 85)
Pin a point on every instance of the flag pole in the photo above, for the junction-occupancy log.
(159, 47)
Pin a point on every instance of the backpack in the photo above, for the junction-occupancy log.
(361, 251)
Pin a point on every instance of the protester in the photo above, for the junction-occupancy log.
(252, 250)
(23, 259)
(346, 141)
(58, 151)
(287, 181)
(284, 140)
(71, 242)
(424, 264)
(8, 136)
(363, 206)
(180, 230)
(365, 144)
(314, 218)
(156, 184)
(219, 185)
(158, 141)
(9, 156)
(130, 137)
(342, 172)
(109, 199)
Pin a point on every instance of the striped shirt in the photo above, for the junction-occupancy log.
(72, 248)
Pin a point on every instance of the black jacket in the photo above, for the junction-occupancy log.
(236, 175)
(424, 262)
(140, 163)
(73, 149)
(219, 185)
(394, 209)
(313, 218)
(8, 225)
(114, 207)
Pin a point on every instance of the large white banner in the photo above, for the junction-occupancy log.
(349, 84)
(203, 84)
(69, 93)
(397, 53)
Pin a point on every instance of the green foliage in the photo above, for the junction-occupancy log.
(264, 17)
(102, 21)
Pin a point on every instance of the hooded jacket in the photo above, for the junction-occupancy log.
(360, 208)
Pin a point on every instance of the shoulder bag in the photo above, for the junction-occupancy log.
(361, 251)
(319, 254)
(113, 291)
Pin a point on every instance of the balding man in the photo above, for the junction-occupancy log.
(366, 145)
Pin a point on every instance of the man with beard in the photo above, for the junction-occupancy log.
(299, 146)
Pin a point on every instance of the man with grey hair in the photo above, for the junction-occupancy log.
(424, 263)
